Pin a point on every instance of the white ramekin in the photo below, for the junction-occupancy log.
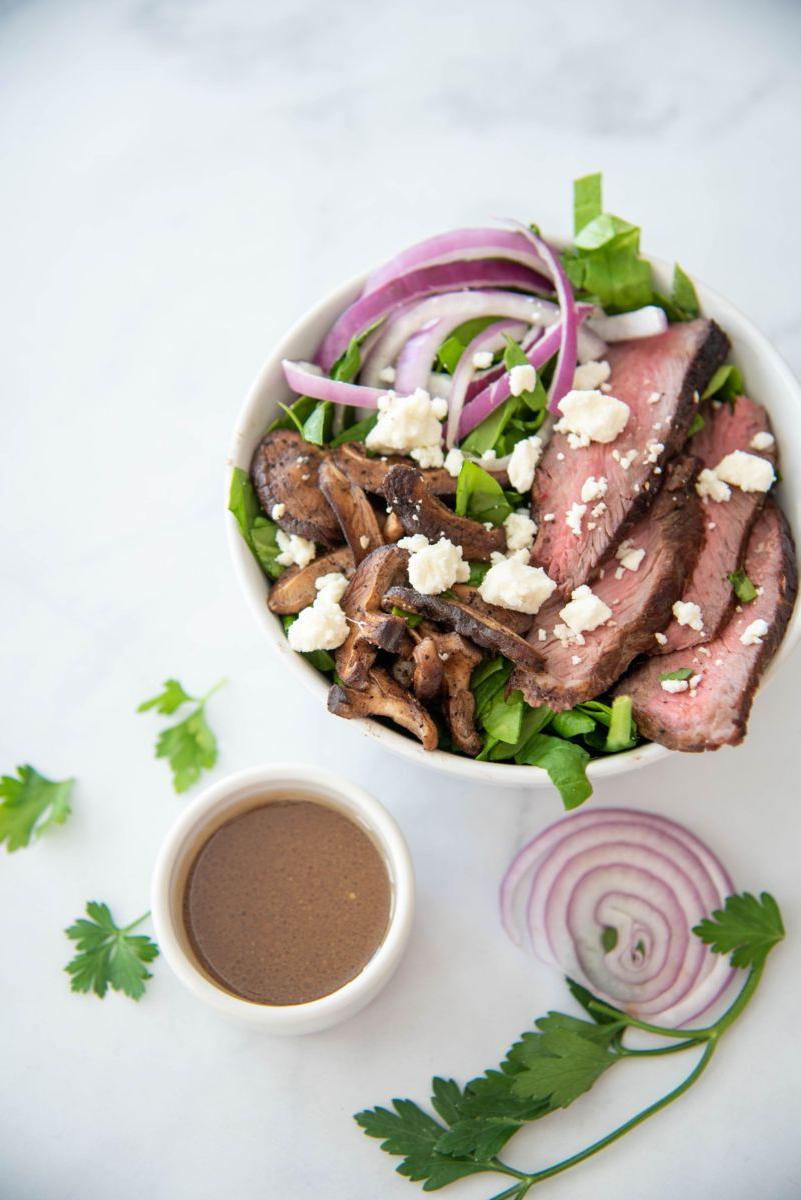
(769, 380)
(207, 813)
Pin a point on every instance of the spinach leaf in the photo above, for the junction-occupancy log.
(320, 659)
(479, 496)
(565, 762)
(454, 346)
(256, 529)
(572, 723)
(744, 589)
(356, 432)
(587, 203)
(726, 384)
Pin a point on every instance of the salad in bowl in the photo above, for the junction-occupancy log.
(520, 505)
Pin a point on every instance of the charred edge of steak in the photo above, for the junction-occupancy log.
(353, 510)
(381, 696)
(478, 628)
(295, 588)
(420, 512)
(371, 473)
(284, 471)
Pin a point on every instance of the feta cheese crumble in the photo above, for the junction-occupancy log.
(512, 583)
(295, 551)
(277, 511)
(753, 635)
(427, 456)
(709, 487)
(407, 423)
(661, 639)
(573, 518)
(522, 378)
(674, 685)
(520, 531)
(436, 566)
(387, 375)
(414, 542)
(748, 472)
(523, 463)
(323, 625)
(585, 611)
(592, 416)
(762, 441)
(593, 489)
(453, 462)
(629, 555)
(687, 613)
(482, 359)
(590, 375)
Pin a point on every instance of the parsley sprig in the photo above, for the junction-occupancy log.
(30, 804)
(555, 1063)
(190, 746)
(108, 955)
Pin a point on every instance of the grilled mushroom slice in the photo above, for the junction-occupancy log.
(371, 629)
(516, 621)
(284, 471)
(371, 473)
(428, 669)
(421, 512)
(393, 529)
(381, 696)
(295, 588)
(354, 511)
(444, 662)
(480, 628)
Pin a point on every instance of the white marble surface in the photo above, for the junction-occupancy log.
(180, 181)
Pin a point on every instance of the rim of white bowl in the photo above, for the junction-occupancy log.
(356, 803)
(735, 323)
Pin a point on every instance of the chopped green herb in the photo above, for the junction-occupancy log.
(682, 674)
(683, 294)
(30, 804)
(190, 746)
(356, 432)
(622, 733)
(696, 425)
(587, 200)
(744, 589)
(109, 956)
(477, 572)
(411, 619)
(726, 384)
(747, 928)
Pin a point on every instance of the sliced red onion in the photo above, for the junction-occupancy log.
(490, 339)
(445, 277)
(309, 383)
(640, 875)
(562, 380)
(449, 311)
(459, 245)
(642, 323)
(591, 347)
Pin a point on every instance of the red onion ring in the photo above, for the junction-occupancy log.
(641, 323)
(320, 387)
(459, 245)
(445, 277)
(562, 380)
(492, 338)
(641, 875)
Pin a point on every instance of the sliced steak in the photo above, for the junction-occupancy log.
(717, 713)
(371, 473)
(640, 601)
(295, 588)
(673, 368)
(284, 471)
(382, 696)
(371, 629)
(354, 511)
(727, 524)
(420, 512)
(478, 627)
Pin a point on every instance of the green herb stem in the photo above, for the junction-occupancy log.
(134, 924)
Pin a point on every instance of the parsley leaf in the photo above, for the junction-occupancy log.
(190, 746)
(746, 927)
(413, 1134)
(744, 589)
(107, 955)
(682, 673)
(30, 804)
(564, 1060)
(258, 532)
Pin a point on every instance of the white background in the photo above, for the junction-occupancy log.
(180, 182)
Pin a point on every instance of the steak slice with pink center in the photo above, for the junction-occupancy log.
(727, 523)
(640, 600)
(715, 713)
(659, 379)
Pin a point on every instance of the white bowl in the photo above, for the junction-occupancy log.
(769, 380)
(207, 813)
